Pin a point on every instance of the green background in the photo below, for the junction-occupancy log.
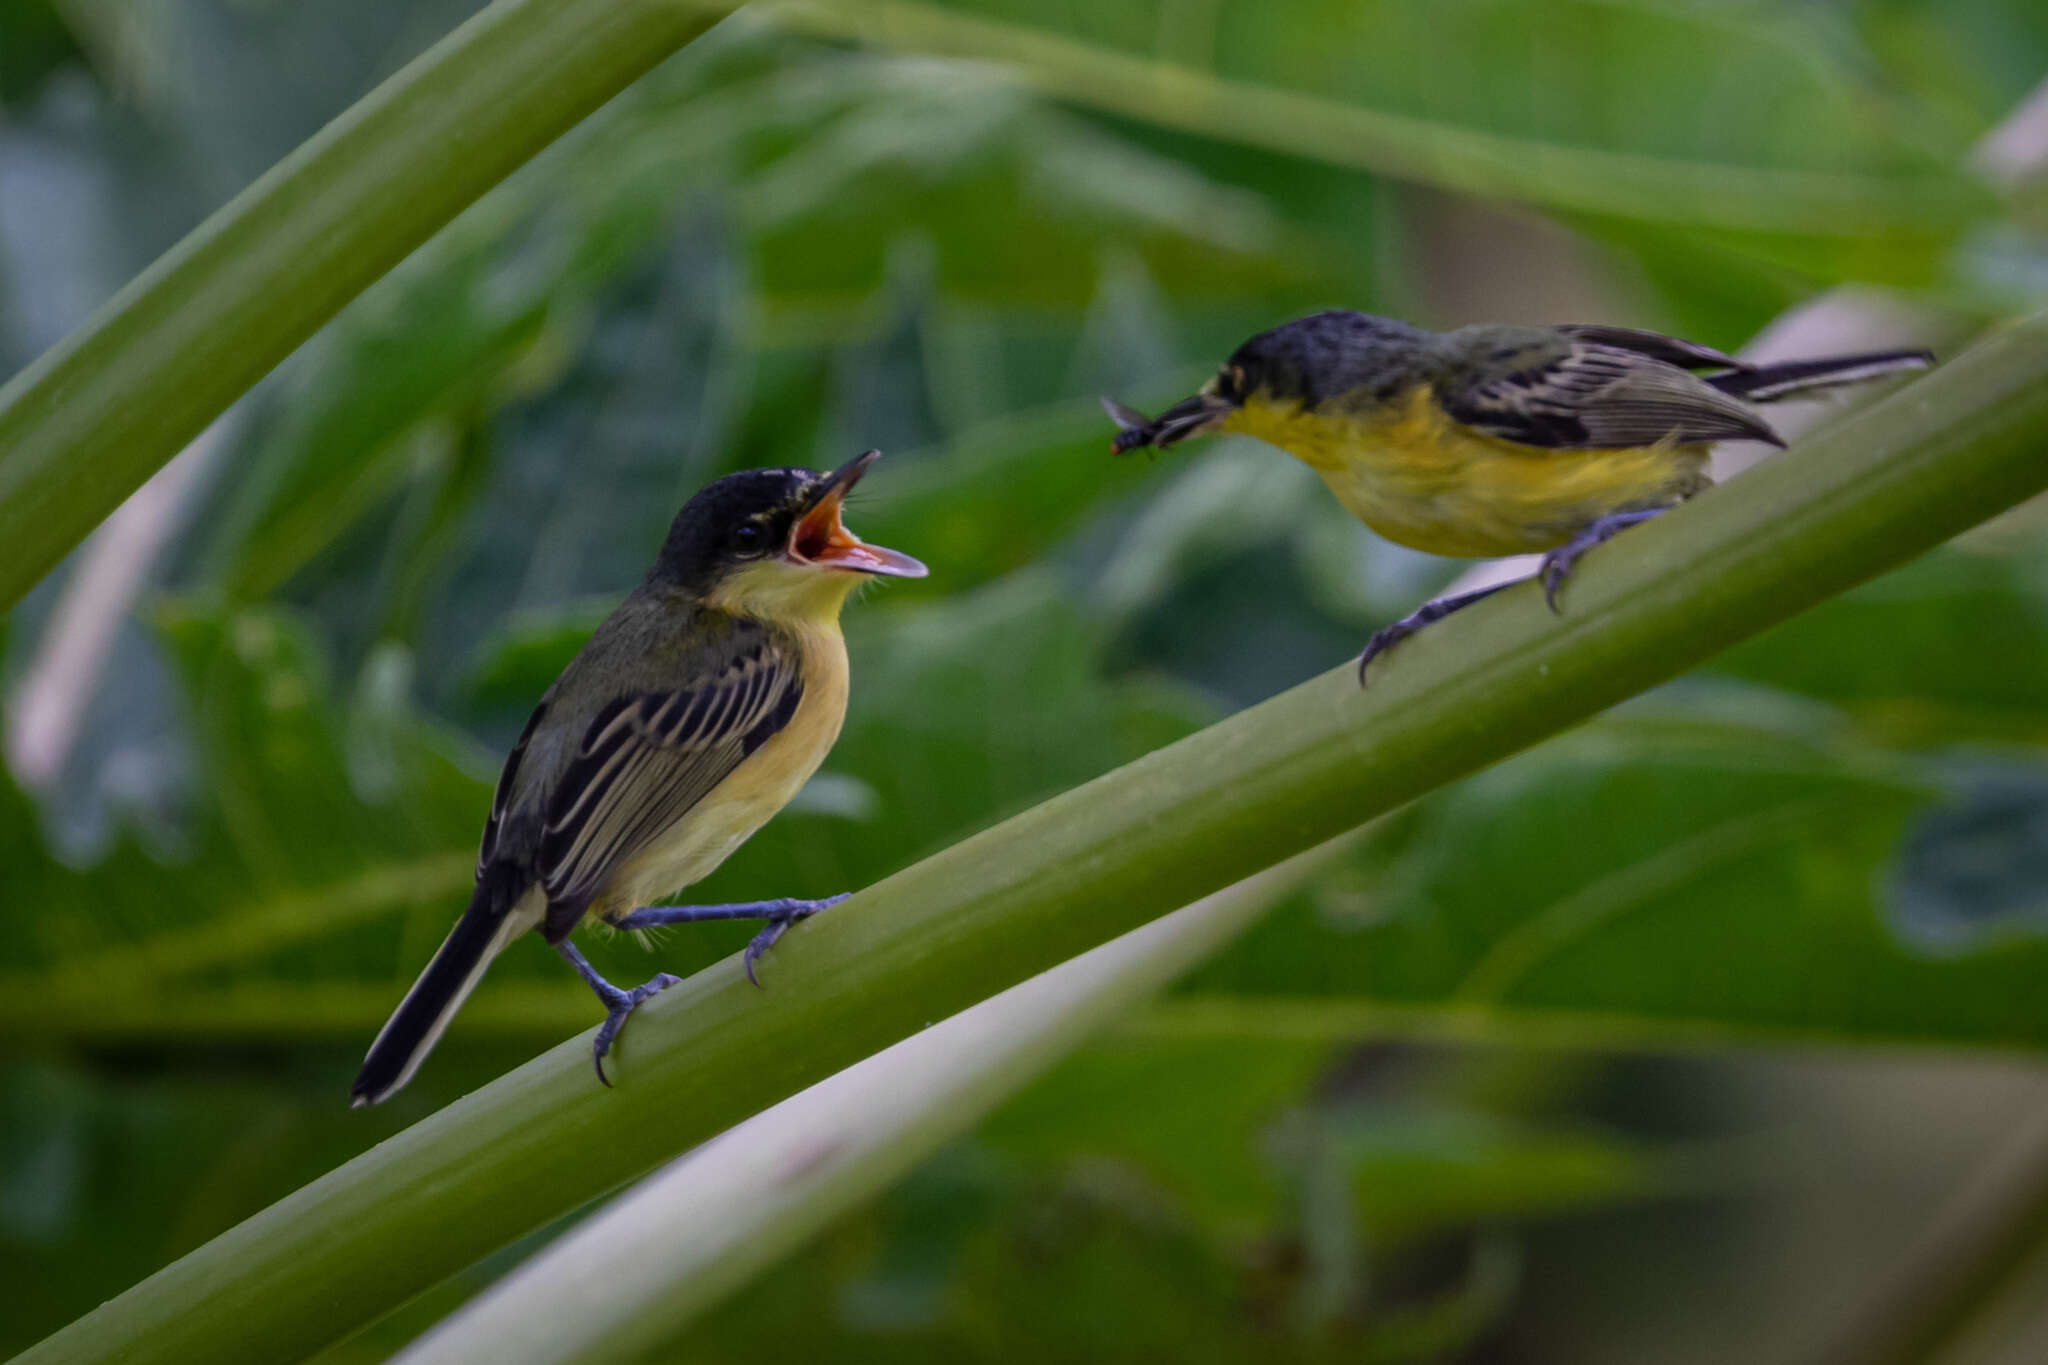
(1666, 1038)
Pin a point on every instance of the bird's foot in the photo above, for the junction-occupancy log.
(1428, 613)
(618, 1005)
(780, 914)
(1384, 639)
(1558, 564)
(778, 926)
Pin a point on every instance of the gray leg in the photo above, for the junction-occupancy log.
(658, 916)
(1557, 565)
(780, 914)
(1427, 614)
(618, 1004)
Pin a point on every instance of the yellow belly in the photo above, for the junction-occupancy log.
(1424, 481)
(748, 798)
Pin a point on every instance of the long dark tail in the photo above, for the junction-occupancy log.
(413, 1029)
(1764, 383)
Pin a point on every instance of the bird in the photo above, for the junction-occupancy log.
(1493, 439)
(690, 717)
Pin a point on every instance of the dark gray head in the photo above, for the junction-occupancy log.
(1306, 361)
(760, 517)
(1319, 357)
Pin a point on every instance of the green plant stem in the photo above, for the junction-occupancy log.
(1907, 473)
(626, 1281)
(1554, 174)
(88, 421)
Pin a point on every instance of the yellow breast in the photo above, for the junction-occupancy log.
(1423, 480)
(750, 796)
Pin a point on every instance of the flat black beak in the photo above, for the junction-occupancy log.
(821, 539)
(1189, 417)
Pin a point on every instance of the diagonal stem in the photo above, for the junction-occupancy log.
(95, 415)
(1935, 459)
(624, 1283)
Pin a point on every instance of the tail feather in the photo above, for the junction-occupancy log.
(420, 1019)
(1764, 383)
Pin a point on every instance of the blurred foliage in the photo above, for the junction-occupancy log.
(783, 247)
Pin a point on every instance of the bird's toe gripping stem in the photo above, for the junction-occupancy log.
(1429, 613)
(1558, 564)
(618, 1006)
(778, 925)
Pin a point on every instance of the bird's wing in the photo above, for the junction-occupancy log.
(508, 783)
(1687, 355)
(1592, 396)
(647, 758)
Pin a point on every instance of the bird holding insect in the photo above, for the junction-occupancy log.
(1493, 439)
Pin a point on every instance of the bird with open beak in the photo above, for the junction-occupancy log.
(692, 715)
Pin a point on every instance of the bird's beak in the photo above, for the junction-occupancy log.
(820, 539)
(1189, 417)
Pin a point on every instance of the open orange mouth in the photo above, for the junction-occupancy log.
(821, 539)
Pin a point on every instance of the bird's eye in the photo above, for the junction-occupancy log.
(748, 535)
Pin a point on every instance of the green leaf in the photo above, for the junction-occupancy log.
(1656, 878)
(278, 844)
(85, 424)
(1490, 97)
(1191, 1114)
(1952, 648)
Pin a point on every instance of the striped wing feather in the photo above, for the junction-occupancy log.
(1687, 355)
(646, 759)
(1600, 397)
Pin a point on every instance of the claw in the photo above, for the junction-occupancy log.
(1559, 563)
(760, 944)
(617, 1009)
(1382, 640)
(777, 927)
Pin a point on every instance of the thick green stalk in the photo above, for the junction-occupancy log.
(1044, 53)
(88, 421)
(1944, 454)
(626, 1281)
